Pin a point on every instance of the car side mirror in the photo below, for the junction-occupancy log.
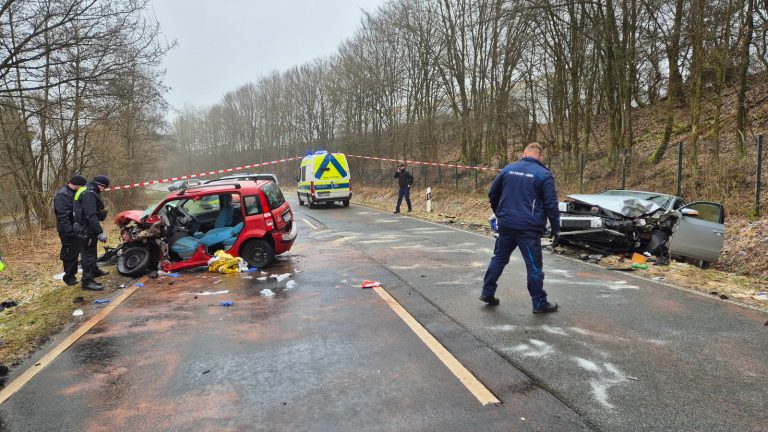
(689, 212)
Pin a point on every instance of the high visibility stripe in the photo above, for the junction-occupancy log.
(80, 190)
(330, 158)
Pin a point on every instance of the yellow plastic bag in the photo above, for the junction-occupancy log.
(223, 262)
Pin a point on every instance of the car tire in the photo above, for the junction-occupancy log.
(311, 203)
(345, 203)
(258, 253)
(134, 261)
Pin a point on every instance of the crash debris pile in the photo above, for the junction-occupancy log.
(223, 262)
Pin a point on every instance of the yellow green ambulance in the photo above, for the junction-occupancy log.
(324, 178)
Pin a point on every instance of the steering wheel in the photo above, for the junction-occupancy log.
(187, 219)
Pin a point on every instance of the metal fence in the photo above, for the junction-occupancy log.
(713, 172)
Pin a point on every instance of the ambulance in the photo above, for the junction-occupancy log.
(324, 178)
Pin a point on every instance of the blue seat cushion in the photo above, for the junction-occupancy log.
(185, 245)
(221, 235)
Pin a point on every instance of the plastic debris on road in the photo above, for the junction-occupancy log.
(252, 269)
(280, 277)
(139, 284)
(173, 275)
(263, 278)
(266, 292)
(760, 295)
(640, 266)
(101, 301)
(207, 293)
(227, 303)
(223, 262)
(290, 284)
(77, 312)
(7, 305)
(370, 284)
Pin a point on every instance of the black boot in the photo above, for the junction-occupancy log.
(92, 285)
(99, 273)
(492, 301)
(546, 308)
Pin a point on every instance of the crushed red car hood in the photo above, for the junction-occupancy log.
(124, 217)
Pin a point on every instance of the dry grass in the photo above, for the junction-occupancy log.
(471, 211)
(45, 304)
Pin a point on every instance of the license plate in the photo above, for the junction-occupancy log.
(287, 217)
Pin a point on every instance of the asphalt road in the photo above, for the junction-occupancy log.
(322, 354)
(626, 353)
(622, 354)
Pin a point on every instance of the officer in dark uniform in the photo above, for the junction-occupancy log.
(89, 212)
(63, 203)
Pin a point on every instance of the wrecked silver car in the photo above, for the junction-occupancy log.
(645, 222)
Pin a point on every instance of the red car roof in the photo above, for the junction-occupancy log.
(247, 187)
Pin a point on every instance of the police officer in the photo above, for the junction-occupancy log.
(63, 203)
(404, 181)
(523, 197)
(89, 212)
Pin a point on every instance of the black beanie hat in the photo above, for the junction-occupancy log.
(78, 180)
(101, 180)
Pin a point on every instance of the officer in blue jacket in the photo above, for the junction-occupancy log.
(523, 197)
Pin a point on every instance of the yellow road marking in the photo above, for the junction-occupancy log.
(465, 376)
(24, 378)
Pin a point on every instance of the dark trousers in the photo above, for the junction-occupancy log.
(70, 252)
(88, 258)
(530, 247)
(405, 192)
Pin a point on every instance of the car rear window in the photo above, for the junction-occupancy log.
(252, 205)
(274, 195)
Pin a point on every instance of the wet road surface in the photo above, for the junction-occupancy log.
(321, 354)
(628, 354)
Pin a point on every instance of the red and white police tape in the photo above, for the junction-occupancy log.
(228, 170)
(202, 174)
(479, 168)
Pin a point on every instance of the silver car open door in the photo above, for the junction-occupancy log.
(700, 232)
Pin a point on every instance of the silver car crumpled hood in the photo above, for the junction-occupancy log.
(624, 205)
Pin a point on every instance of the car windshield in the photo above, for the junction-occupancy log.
(151, 208)
(663, 201)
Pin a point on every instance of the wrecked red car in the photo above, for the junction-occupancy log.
(249, 219)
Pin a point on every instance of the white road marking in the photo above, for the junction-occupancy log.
(311, 225)
(608, 376)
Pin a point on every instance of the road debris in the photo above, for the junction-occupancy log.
(263, 278)
(370, 284)
(139, 284)
(173, 275)
(760, 295)
(207, 293)
(78, 300)
(290, 284)
(633, 378)
(206, 371)
(280, 277)
(101, 301)
(266, 292)
(7, 305)
(77, 312)
(227, 303)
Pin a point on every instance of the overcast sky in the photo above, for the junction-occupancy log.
(224, 44)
